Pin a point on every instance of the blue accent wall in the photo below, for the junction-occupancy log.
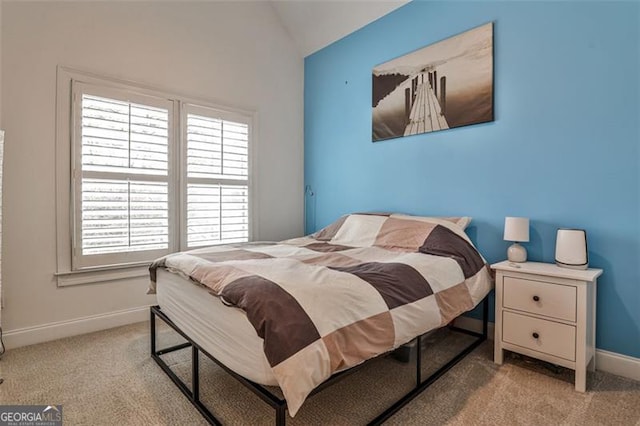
(563, 149)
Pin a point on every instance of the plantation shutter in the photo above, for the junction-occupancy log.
(217, 177)
(122, 176)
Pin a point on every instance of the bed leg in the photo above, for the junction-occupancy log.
(419, 361)
(485, 318)
(281, 415)
(152, 324)
(195, 374)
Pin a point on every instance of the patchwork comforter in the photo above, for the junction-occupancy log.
(356, 289)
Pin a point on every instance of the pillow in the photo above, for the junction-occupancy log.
(392, 231)
(462, 221)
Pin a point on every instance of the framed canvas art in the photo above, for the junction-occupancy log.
(441, 86)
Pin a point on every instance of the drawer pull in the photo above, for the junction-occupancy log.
(535, 335)
(536, 299)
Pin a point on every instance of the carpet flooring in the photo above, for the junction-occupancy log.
(109, 378)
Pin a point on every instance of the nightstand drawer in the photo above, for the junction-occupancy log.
(540, 335)
(540, 298)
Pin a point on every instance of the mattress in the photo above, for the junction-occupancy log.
(222, 331)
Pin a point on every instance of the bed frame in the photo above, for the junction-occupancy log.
(280, 405)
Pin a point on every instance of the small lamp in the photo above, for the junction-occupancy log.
(516, 229)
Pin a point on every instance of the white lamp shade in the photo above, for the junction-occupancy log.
(516, 229)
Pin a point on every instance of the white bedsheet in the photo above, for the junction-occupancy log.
(224, 332)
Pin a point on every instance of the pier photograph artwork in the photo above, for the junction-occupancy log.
(441, 86)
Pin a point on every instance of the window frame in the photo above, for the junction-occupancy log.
(71, 269)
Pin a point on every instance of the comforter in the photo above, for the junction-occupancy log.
(361, 287)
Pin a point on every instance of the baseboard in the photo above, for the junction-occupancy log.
(620, 365)
(58, 330)
(610, 362)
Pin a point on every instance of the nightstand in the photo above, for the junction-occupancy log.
(547, 312)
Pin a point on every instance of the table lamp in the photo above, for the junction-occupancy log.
(516, 229)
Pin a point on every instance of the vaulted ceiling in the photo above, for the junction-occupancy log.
(314, 24)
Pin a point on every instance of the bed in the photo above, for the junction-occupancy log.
(303, 312)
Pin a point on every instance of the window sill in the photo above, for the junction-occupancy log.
(101, 275)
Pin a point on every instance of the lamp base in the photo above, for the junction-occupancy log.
(517, 253)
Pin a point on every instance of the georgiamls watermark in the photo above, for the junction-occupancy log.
(30, 415)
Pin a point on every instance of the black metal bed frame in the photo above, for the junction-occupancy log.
(280, 405)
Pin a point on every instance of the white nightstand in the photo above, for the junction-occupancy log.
(547, 312)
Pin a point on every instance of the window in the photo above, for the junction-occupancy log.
(153, 174)
(121, 176)
(217, 177)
